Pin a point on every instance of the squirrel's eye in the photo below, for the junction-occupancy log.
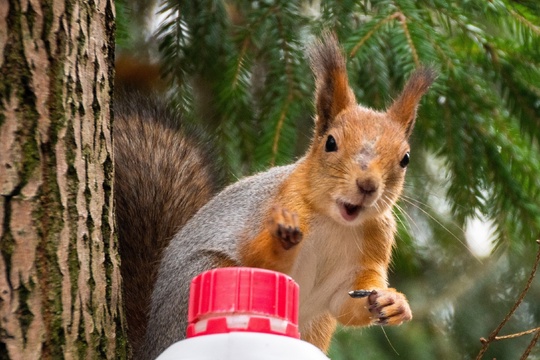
(331, 144)
(405, 161)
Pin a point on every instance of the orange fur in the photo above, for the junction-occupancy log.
(370, 145)
(265, 251)
(404, 108)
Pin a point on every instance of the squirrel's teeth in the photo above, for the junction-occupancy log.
(349, 211)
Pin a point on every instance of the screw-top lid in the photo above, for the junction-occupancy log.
(243, 299)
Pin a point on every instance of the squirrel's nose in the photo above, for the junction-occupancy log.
(367, 186)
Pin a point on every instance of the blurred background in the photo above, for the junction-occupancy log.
(470, 213)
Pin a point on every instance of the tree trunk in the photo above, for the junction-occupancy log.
(60, 282)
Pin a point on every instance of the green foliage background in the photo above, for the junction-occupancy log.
(238, 69)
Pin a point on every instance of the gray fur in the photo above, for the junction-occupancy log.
(218, 228)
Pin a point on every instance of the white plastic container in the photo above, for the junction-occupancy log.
(241, 314)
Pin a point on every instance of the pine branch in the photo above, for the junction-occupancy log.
(532, 344)
(290, 91)
(494, 333)
(513, 336)
(279, 128)
(372, 31)
(523, 20)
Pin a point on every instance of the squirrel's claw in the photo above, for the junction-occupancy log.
(388, 307)
(285, 226)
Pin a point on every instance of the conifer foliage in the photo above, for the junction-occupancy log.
(239, 69)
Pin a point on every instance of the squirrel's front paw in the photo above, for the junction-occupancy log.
(388, 307)
(285, 226)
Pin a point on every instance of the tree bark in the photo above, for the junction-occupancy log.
(60, 284)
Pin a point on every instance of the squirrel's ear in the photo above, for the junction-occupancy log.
(332, 93)
(403, 110)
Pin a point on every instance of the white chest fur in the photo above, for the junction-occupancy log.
(326, 267)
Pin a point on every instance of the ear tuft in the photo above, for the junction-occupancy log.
(403, 110)
(332, 93)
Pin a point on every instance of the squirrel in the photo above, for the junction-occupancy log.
(164, 173)
(325, 220)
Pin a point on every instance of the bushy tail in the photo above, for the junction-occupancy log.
(164, 174)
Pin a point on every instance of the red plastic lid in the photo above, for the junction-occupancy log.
(243, 299)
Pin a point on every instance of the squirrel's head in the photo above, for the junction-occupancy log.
(359, 156)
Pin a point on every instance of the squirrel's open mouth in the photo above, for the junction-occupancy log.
(349, 212)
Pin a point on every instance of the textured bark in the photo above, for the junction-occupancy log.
(59, 270)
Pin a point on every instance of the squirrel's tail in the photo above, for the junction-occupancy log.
(163, 175)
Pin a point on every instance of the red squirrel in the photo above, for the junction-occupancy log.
(326, 220)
